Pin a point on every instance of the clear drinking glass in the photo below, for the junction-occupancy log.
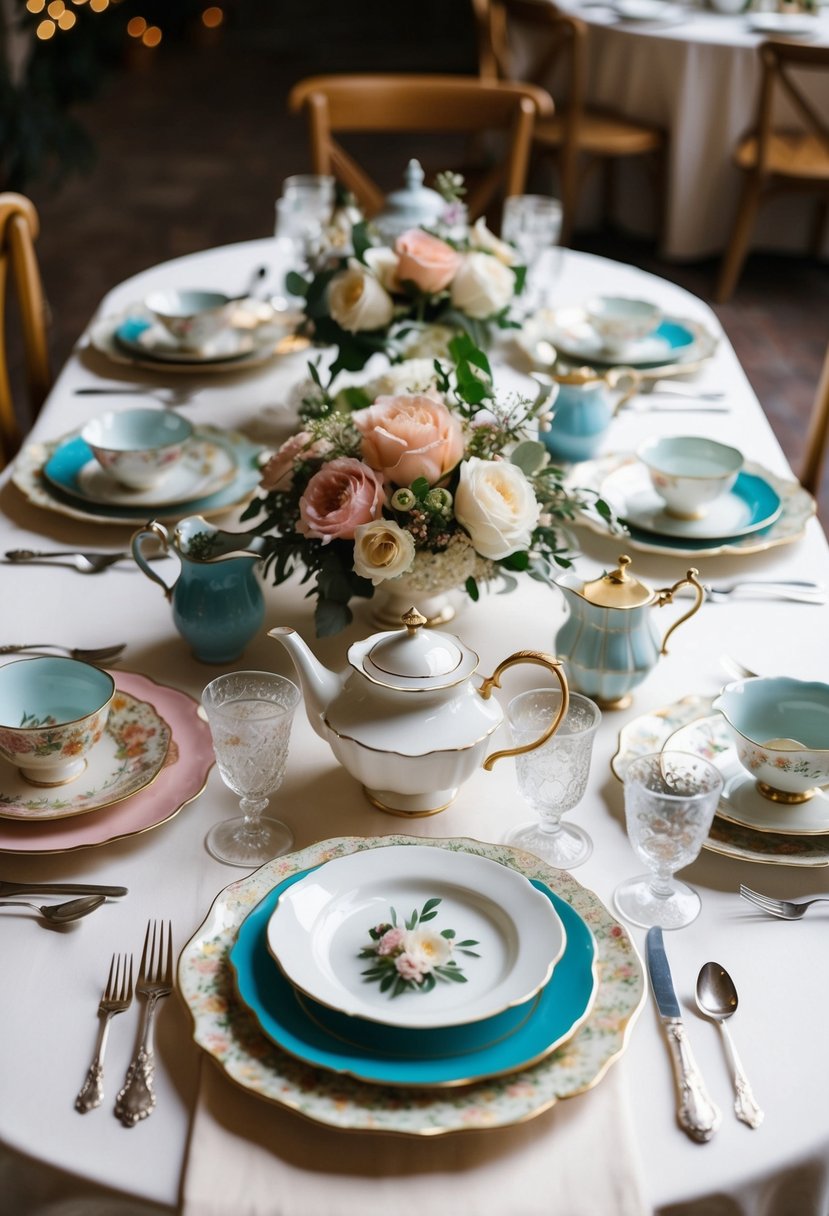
(532, 223)
(250, 715)
(303, 211)
(553, 778)
(670, 800)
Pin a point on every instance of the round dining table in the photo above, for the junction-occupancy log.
(54, 1160)
(695, 73)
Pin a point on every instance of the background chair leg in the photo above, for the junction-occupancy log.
(820, 231)
(737, 246)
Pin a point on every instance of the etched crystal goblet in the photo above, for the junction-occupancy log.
(670, 800)
(250, 715)
(553, 778)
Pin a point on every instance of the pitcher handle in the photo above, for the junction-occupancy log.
(627, 381)
(666, 595)
(494, 681)
(157, 530)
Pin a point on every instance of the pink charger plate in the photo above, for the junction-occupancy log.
(182, 779)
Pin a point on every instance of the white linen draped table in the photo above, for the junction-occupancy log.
(52, 981)
(697, 79)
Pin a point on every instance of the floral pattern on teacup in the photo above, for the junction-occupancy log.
(58, 741)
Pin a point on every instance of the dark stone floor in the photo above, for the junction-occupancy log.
(194, 140)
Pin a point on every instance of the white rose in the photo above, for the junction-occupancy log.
(382, 549)
(357, 301)
(382, 262)
(427, 948)
(481, 238)
(496, 505)
(410, 376)
(483, 286)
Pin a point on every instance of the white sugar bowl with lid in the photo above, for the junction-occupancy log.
(409, 718)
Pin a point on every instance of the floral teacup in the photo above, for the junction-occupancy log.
(138, 447)
(52, 712)
(690, 472)
(780, 728)
(193, 318)
(619, 321)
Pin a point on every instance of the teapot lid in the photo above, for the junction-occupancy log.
(414, 207)
(413, 658)
(618, 589)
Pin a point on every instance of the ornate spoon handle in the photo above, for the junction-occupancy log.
(745, 1104)
(136, 1099)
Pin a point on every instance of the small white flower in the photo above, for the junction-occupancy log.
(382, 262)
(358, 301)
(382, 549)
(480, 237)
(427, 948)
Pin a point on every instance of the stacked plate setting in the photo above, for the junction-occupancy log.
(418, 980)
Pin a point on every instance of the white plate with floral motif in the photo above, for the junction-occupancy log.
(741, 801)
(128, 757)
(651, 731)
(224, 1028)
(415, 938)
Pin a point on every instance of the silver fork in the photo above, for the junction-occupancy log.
(100, 654)
(116, 998)
(784, 909)
(798, 590)
(155, 980)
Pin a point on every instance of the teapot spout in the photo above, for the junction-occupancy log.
(319, 685)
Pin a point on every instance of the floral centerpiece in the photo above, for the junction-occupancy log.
(374, 483)
(364, 297)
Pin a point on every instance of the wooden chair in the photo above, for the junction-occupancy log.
(774, 160)
(18, 231)
(818, 434)
(407, 103)
(580, 137)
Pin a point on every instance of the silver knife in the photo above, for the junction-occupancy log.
(59, 888)
(696, 1113)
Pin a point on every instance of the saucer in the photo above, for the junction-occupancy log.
(741, 802)
(128, 757)
(144, 337)
(203, 469)
(751, 505)
(783, 23)
(648, 10)
(675, 340)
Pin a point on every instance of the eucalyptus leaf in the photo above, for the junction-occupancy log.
(530, 456)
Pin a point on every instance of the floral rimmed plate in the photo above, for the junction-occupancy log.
(205, 467)
(741, 801)
(182, 778)
(232, 1037)
(797, 508)
(67, 456)
(391, 1055)
(127, 758)
(650, 733)
(483, 939)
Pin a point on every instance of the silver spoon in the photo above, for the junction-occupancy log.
(60, 914)
(717, 999)
(87, 563)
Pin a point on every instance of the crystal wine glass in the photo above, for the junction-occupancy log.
(670, 800)
(303, 211)
(532, 223)
(250, 715)
(553, 778)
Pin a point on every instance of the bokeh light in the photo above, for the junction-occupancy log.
(46, 30)
(212, 17)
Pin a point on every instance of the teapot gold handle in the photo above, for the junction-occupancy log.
(666, 595)
(494, 681)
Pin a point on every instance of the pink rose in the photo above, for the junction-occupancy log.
(278, 473)
(410, 436)
(424, 260)
(409, 968)
(342, 495)
(389, 942)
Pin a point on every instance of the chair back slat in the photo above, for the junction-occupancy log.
(818, 433)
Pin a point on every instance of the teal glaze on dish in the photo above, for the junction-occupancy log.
(63, 467)
(761, 500)
(676, 335)
(391, 1055)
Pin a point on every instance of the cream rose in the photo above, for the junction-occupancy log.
(382, 550)
(383, 262)
(426, 261)
(407, 437)
(481, 238)
(358, 301)
(496, 505)
(483, 286)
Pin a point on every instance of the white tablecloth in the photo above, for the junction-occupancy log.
(698, 80)
(52, 981)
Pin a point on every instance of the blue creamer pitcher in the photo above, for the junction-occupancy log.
(217, 599)
(609, 642)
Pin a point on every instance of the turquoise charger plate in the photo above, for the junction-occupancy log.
(390, 1055)
(63, 466)
(763, 505)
